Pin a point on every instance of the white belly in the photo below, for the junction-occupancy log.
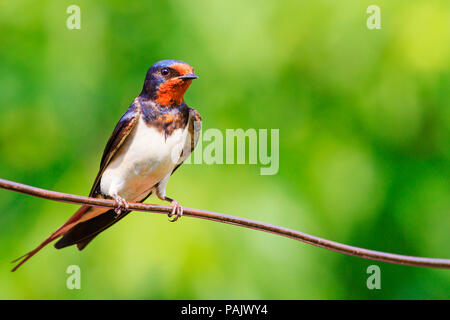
(142, 161)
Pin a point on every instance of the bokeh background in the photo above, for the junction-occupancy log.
(364, 120)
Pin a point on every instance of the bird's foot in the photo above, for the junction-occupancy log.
(121, 205)
(177, 211)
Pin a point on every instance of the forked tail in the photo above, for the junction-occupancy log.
(55, 235)
(27, 256)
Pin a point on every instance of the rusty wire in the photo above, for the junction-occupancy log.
(242, 222)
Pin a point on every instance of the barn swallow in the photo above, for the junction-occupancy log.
(152, 139)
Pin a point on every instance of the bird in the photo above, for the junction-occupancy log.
(153, 138)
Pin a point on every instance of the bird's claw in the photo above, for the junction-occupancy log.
(177, 211)
(121, 205)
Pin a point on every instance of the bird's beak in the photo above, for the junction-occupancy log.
(188, 76)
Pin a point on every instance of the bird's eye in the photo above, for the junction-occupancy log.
(164, 71)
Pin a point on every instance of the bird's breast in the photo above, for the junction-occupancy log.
(146, 157)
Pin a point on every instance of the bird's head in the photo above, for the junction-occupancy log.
(167, 81)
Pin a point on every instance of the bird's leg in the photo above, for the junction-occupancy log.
(177, 209)
(121, 205)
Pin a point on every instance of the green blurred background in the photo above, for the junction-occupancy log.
(364, 121)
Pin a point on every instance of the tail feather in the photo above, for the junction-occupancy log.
(20, 258)
(33, 252)
(85, 231)
(80, 229)
(58, 233)
(82, 244)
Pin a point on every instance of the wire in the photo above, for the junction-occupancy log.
(237, 221)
